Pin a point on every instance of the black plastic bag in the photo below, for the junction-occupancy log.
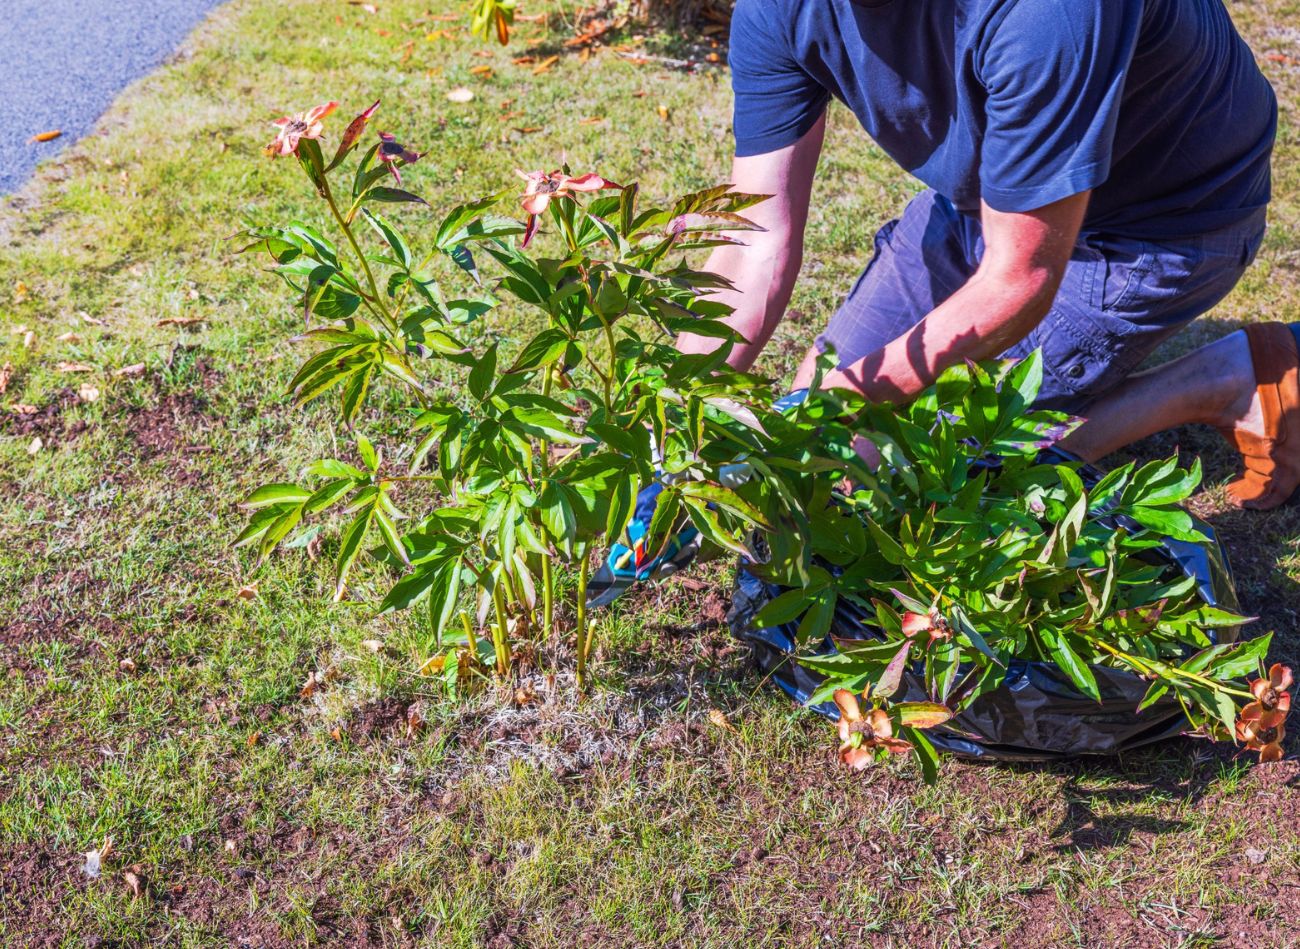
(1037, 714)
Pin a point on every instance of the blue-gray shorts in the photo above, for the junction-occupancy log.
(1119, 299)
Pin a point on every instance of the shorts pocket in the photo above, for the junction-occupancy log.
(1083, 356)
(1125, 268)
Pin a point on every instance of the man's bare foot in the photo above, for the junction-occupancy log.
(1266, 426)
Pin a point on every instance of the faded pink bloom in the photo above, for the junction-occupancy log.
(542, 187)
(294, 128)
(933, 623)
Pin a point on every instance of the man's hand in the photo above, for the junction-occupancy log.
(625, 566)
(1025, 257)
(764, 268)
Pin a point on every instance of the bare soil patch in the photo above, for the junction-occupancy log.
(170, 426)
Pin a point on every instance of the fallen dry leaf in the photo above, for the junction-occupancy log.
(336, 733)
(545, 64)
(87, 393)
(21, 292)
(414, 719)
(87, 318)
(460, 94)
(127, 665)
(524, 60)
(135, 880)
(528, 130)
(248, 592)
(720, 720)
(433, 666)
(181, 320)
(374, 645)
(526, 695)
(68, 338)
(6, 373)
(35, 445)
(74, 367)
(309, 687)
(49, 136)
(481, 71)
(137, 369)
(22, 408)
(663, 112)
(253, 739)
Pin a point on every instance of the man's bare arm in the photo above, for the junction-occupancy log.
(1011, 291)
(765, 267)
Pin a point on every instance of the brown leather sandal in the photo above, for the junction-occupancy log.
(1273, 460)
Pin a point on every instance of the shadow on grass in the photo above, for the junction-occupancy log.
(667, 42)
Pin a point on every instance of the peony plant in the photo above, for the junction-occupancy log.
(524, 453)
(971, 545)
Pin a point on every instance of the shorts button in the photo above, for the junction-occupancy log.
(1075, 371)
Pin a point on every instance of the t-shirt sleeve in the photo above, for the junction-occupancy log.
(776, 100)
(1054, 72)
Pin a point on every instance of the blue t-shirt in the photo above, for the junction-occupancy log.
(1156, 105)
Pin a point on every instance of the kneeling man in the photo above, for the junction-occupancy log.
(1097, 174)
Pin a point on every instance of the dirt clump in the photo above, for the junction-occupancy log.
(45, 422)
(385, 718)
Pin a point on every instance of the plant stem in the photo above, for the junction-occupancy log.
(356, 249)
(500, 635)
(584, 640)
(613, 369)
(548, 593)
(548, 576)
(1165, 670)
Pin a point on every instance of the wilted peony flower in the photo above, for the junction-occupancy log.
(390, 151)
(294, 128)
(1261, 723)
(543, 187)
(859, 736)
(1267, 741)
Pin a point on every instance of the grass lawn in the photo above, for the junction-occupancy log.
(145, 700)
